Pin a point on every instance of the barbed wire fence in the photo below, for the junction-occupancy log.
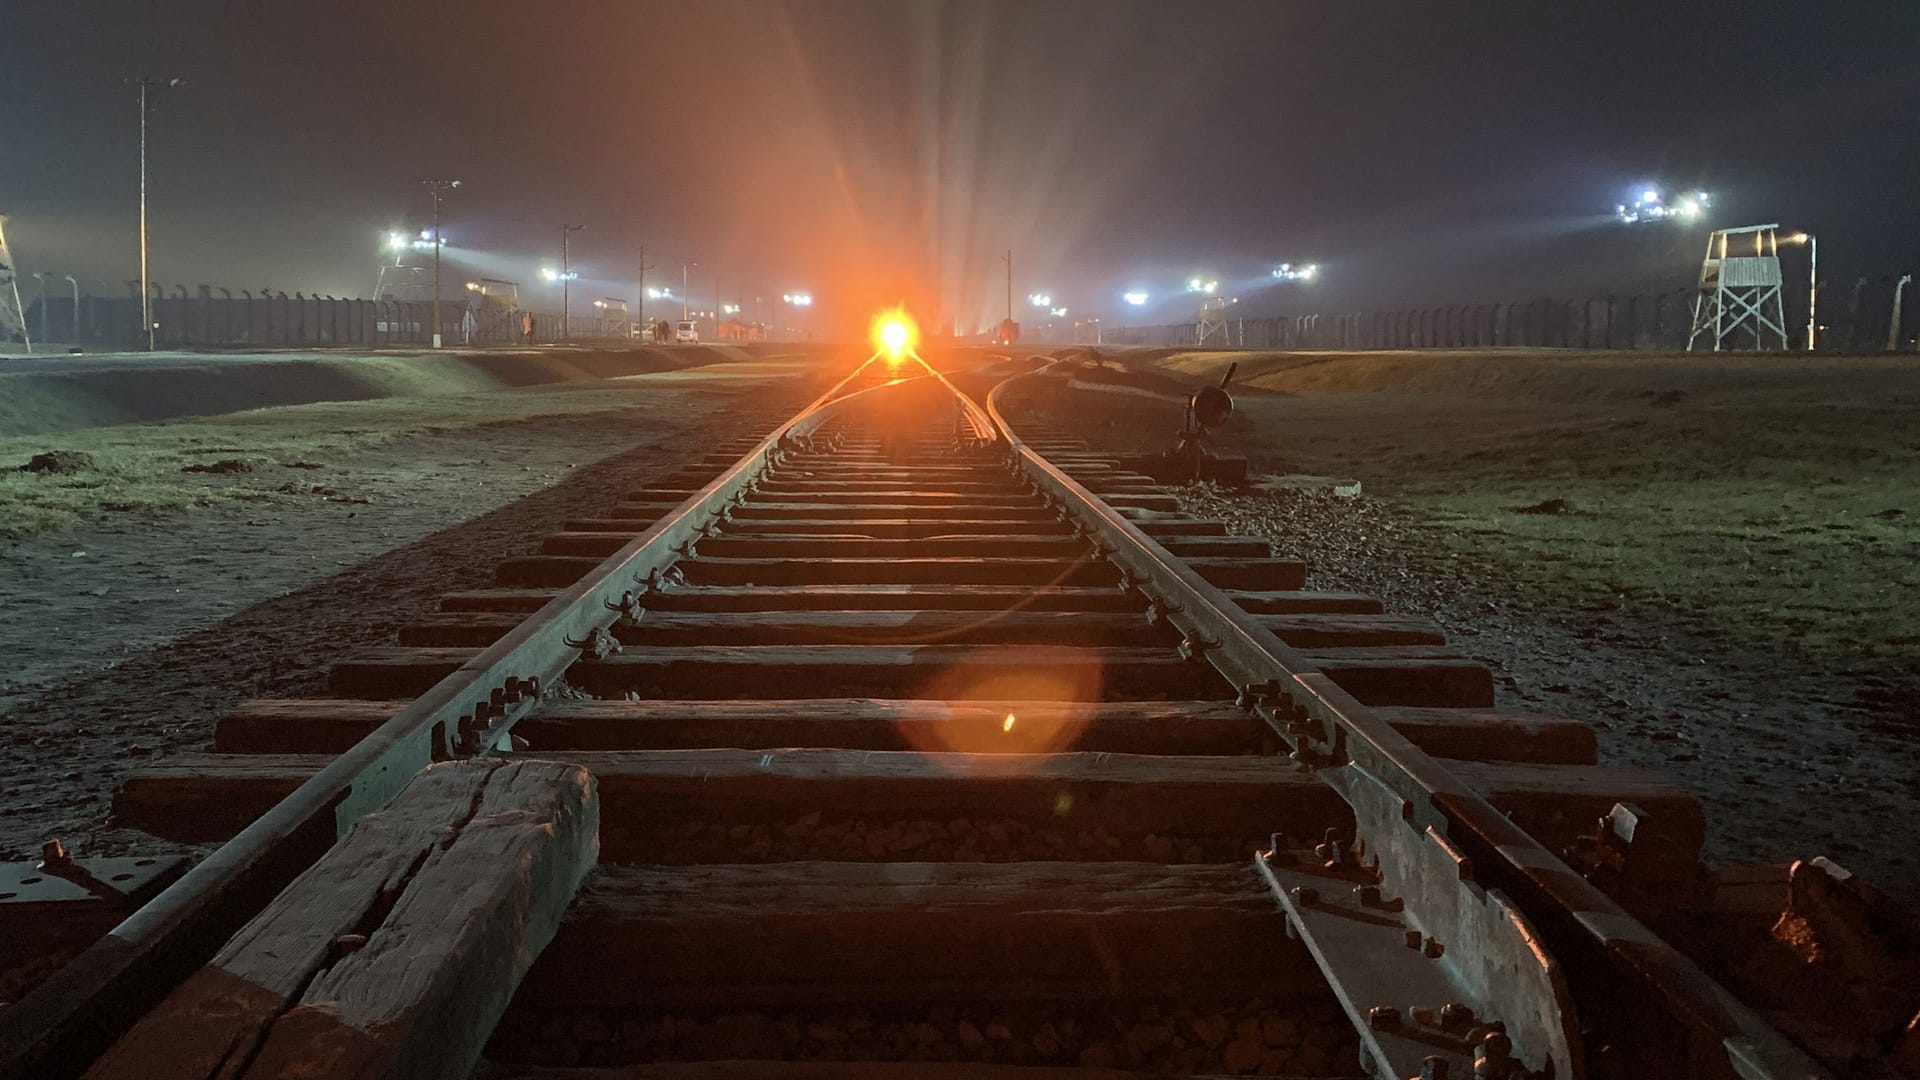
(1874, 315)
(267, 318)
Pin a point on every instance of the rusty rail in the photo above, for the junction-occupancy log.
(81, 1008)
(1602, 947)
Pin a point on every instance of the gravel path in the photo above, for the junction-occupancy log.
(1762, 742)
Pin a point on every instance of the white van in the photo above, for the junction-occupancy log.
(687, 331)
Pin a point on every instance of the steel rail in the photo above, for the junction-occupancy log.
(1331, 730)
(56, 1030)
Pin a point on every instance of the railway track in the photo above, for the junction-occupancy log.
(910, 739)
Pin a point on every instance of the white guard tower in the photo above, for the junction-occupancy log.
(13, 317)
(1212, 323)
(1740, 294)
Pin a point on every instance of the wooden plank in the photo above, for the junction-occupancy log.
(812, 1070)
(887, 597)
(552, 571)
(1286, 601)
(1142, 501)
(819, 932)
(201, 798)
(898, 571)
(1413, 675)
(765, 546)
(329, 725)
(949, 627)
(967, 672)
(524, 600)
(326, 725)
(1485, 735)
(1378, 678)
(850, 511)
(906, 496)
(902, 597)
(1207, 547)
(902, 528)
(448, 893)
(1259, 573)
(975, 482)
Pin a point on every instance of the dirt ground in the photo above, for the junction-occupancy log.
(131, 631)
(1710, 559)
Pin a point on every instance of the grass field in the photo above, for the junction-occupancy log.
(139, 467)
(1771, 499)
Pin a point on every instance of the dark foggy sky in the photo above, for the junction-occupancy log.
(875, 150)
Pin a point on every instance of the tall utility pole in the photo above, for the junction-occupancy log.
(43, 275)
(1813, 288)
(438, 187)
(640, 298)
(1009, 258)
(146, 82)
(684, 267)
(566, 282)
(1893, 324)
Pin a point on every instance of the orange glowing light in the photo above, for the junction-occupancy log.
(894, 333)
(1007, 725)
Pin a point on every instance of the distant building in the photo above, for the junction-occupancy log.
(736, 330)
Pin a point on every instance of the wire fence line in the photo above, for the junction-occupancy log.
(218, 317)
(1870, 319)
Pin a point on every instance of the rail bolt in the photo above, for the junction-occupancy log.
(1432, 1067)
(53, 854)
(1493, 1058)
(1455, 1016)
(1383, 1018)
(1277, 852)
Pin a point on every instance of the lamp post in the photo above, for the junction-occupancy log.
(75, 282)
(1813, 279)
(566, 282)
(42, 276)
(685, 266)
(437, 187)
(640, 292)
(146, 82)
(1008, 257)
(1893, 324)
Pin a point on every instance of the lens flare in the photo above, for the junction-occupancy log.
(894, 333)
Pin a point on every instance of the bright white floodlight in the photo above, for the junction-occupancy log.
(1653, 206)
(798, 299)
(1040, 299)
(1202, 285)
(1136, 297)
(551, 274)
(1290, 272)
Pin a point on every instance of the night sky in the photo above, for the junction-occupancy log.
(877, 150)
